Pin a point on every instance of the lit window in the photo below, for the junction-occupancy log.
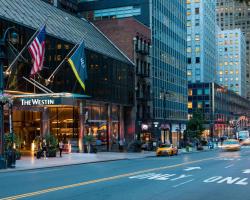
(199, 104)
(189, 73)
(231, 71)
(226, 71)
(197, 37)
(189, 50)
(221, 72)
(237, 71)
(188, 1)
(190, 105)
(190, 92)
(236, 78)
(59, 46)
(197, 49)
(226, 63)
(221, 80)
(189, 38)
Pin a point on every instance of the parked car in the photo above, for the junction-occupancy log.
(167, 150)
(231, 145)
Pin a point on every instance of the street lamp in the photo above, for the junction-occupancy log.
(12, 36)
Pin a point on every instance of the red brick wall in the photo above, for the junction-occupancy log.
(122, 31)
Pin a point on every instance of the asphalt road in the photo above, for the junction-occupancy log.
(207, 175)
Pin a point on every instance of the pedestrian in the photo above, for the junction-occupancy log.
(44, 147)
(60, 148)
(121, 145)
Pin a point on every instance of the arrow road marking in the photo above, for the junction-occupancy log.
(246, 171)
(191, 168)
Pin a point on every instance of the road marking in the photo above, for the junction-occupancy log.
(20, 196)
(191, 168)
(246, 171)
(227, 180)
(228, 166)
(183, 183)
(159, 177)
(43, 171)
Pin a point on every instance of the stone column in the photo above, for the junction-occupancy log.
(82, 112)
(45, 122)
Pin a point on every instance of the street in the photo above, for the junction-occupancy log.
(212, 175)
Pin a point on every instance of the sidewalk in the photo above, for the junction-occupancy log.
(30, 163)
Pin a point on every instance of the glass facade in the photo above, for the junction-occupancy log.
(201, 44)
(168, 62)
(231, 66)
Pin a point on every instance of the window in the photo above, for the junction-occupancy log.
(197, 11)
(190, 105)
(189, 50)
(190, 92)
(199, 92)
(188, 11)
(197, 60)
(206, 91)
(231, 71)
(197, 49)
(189, 73)
(207, 104)
(221, 72)
(197, 37)
(189, 60)
(59, 46)
(189, 38)
(226, 71)
(199, 104)
(197, 22)
(189, 23)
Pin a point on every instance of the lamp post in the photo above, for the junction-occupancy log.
(3, 57)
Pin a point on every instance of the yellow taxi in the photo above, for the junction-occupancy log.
(231, 145)
(245, 142)
(167, 150)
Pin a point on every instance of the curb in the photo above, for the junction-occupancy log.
(54, 166)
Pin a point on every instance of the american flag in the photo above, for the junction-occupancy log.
(37, 50)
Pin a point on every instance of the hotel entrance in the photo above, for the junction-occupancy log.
(68, 118)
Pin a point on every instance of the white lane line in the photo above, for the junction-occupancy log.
(43, 171)
(228, 166)
(183, 183)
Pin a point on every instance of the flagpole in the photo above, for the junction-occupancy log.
(27, 44)
(47, 81)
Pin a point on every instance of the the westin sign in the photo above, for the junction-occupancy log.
(37, 102)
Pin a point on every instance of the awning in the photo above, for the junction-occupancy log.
(49, 99)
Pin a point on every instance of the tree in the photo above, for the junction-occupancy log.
(241, 1)
(195, 125)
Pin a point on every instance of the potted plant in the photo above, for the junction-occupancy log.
(51, 145)
(88, 139)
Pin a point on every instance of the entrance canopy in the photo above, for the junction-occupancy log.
(50, 99)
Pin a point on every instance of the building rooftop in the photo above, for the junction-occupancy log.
(60, 24)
